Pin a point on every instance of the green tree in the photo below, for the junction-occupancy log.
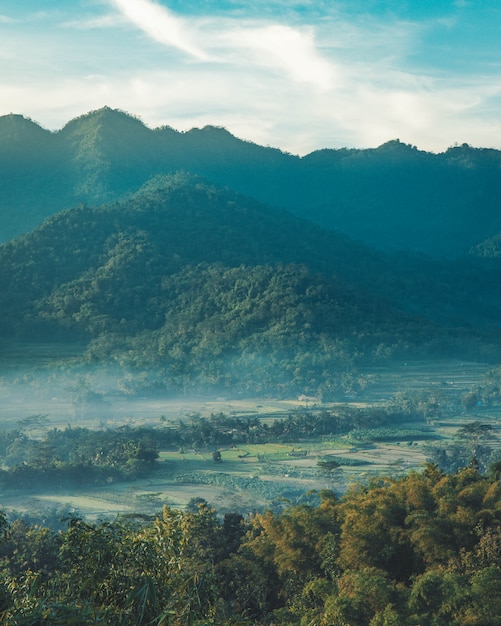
(437, 598)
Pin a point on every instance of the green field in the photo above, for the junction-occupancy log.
(248, 477)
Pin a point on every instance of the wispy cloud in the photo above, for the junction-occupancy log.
(105, 21)
(271, 111)
(270, 45)
(161, 24)
(298, 78)
(287, 49)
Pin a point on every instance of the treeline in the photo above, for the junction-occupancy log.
(78, 456)
(424, 550)
(473, 441)
(75, 457)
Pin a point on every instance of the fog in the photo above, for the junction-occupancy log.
(36, 399)
(41, 397)
(97, 397)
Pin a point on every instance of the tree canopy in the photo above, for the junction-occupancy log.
(423, 549)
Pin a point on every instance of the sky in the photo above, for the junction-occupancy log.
(298, 75)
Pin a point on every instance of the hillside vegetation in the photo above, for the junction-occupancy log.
(209, 289)
(197, 287)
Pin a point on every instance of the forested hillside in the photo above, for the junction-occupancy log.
(214, 290)
(420, 550)
(393, 197)
(201, 287)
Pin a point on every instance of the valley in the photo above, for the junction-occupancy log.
(239, 386)
(251, 477)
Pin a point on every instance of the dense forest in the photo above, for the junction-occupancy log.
(201, 288)
(420, 550)
(162, 267)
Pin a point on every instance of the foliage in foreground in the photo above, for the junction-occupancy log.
(424, 549)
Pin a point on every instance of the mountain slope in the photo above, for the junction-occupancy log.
(392, 197)
(169, 224)
(209, 289)
(31, 172)
(397, 197)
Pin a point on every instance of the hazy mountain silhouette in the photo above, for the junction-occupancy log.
(392, 197)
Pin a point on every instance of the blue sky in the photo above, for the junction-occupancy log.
(294, 74)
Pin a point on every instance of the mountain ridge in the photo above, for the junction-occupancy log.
(391, 197)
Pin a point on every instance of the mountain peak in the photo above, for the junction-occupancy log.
(214, 134)
(110, 118)
(395, 145)
(17, 128)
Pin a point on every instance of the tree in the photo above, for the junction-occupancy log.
(362, 594)
(437, 598)
(486, 595)
(475, 437)
(373, 531)
(216, 456)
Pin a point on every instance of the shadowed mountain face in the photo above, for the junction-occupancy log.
(134, 246)
(393, 197)
(206, 287)
(211, 289)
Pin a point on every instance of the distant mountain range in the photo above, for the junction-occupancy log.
(394, 197)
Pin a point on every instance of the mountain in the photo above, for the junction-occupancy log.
(30, 169)
(210, 289)
(393, 197)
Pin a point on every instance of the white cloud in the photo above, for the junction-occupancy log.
(160, 24)
(330, 83)
(288, 49)
(232, 41)
(274, 111)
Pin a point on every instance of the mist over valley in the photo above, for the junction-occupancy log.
(250, 326)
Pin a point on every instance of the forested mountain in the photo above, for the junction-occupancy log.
(393, 197)
(160, 269)
(488, 249)
(213, 289)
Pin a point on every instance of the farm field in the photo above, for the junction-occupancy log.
(248, 478)
(253, 476)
